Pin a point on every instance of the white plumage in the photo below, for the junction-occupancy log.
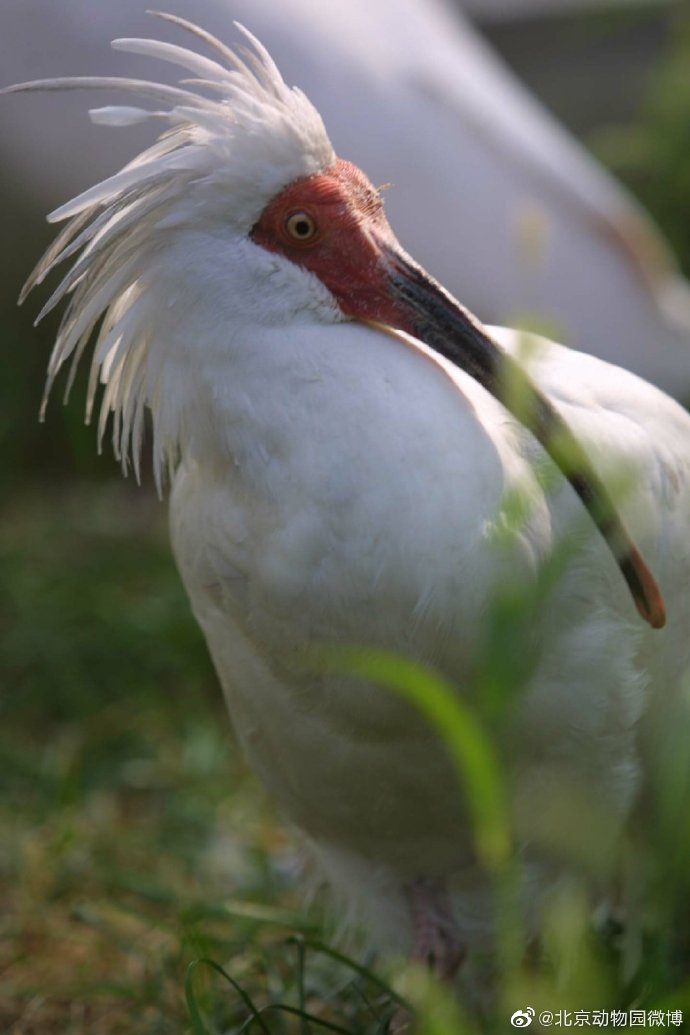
(336, 482)
(413, 95)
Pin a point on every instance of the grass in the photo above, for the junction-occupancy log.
(146, 885)
(126, 816)
(133, 841)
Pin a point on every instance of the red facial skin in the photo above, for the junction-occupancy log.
(352, 251)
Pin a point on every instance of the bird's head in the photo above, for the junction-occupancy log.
(245, 156)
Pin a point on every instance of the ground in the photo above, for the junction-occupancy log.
(133, 840)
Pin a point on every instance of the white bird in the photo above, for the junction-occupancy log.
(412, 94)
(344, 472)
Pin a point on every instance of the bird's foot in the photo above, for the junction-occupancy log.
(437, 941)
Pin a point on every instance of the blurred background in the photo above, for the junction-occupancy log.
(132, 839)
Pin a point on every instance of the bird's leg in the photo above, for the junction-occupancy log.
(437, 941)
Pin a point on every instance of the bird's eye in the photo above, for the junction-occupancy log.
(301, 226)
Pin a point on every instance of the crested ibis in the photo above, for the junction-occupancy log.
(346, 443)
(411, 93)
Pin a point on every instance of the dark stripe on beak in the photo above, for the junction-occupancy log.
(437, 319)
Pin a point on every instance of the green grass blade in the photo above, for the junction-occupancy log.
(469, 745)
(307, 1018)
(197, 1021)
(357, 968)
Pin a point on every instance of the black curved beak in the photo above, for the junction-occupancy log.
(437, 319)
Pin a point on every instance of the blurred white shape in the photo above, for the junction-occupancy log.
(488, 191)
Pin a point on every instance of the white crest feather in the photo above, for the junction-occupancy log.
(222, 157)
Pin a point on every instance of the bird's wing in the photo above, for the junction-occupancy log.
(637, 437)
(389, 532)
